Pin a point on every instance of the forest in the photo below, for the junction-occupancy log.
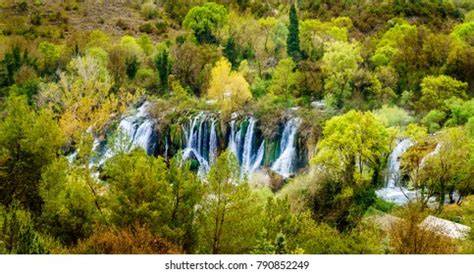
(236, 127)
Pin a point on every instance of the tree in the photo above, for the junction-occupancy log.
(132, 65)
(204, 20)
(11, 64)
(82, 99)
(186, 194)
(267, 24)
(293, 42)
(29, 141)
(229, 88)
(449, 168)
(229, 215)
(163, 66)
(387, 47)
(436, 89)
(285, 79)
(69, 209)
(140, 194)
(18, 234)
(314, 33)
(339, 63)
(192, 64)
(50, 57)
(353, 146)
(393, 116)
(230, 52)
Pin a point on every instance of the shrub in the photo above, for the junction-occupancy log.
(136, 240)
(393, 116)
(121, 24)
(149, 11)
(161, 27)
(146, 28)
(407, 237)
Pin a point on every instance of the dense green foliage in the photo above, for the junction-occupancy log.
(360, 75)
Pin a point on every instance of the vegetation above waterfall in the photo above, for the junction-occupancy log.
(263, 127)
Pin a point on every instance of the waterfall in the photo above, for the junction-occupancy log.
(244, 147)
(248, 145)
(134, 130)
(232, 140)
(201, 141)
(393, 191)
(139, 129)
(284, 165)
(393, 174)
(213, 143)
(144, 135)
(259, 158)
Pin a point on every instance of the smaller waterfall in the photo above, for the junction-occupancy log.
(394, 174)
(213, 143)
(284, 165)
(259, 158)
(134, 130)
(243, 146)
(201, 141)
(393, 191)
(248, 145)
(232, 142)
(138, 129)
(144, 135)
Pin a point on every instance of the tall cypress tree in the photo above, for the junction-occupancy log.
(293, 42)
(230, 52)
(163, 66)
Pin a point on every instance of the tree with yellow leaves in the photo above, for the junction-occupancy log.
(82, 99)
(228, 88)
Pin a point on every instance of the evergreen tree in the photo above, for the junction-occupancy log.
(230, 52)
(163, 65)
(293, 42)
(132, 65)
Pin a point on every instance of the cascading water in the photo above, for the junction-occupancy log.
(201, 141)
(243, 147)
(135, 130)
(213, 143)
(393, 191)
(284, 165)
(248, 145)
(394, 175)
(232, 139)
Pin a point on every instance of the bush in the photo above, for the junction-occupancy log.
(146, 28)
(407, 237)
(161, 27)
(393, 116)
(149, 11)
(136, 240)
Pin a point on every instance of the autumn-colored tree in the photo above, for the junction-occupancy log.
(82, 99)
(228, 88)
